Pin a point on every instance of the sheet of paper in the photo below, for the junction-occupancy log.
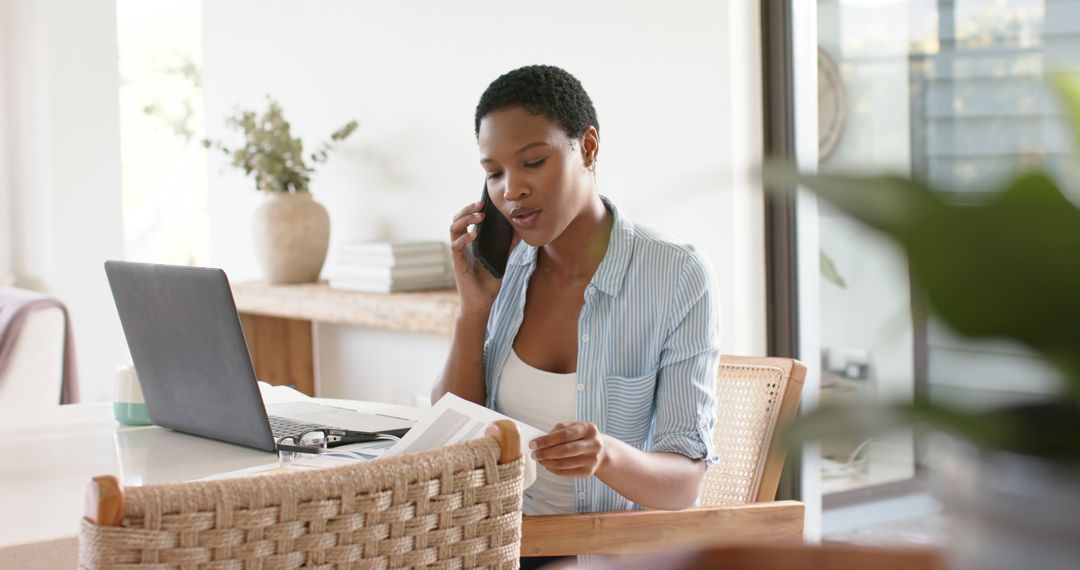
(304, 462)
(280, 394)
(453, 420)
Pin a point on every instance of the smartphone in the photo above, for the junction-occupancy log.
(494, 234)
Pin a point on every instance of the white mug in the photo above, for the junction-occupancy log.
(129, 408)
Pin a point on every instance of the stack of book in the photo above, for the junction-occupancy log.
(393, 266)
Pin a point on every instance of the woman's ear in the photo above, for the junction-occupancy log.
(590, 147)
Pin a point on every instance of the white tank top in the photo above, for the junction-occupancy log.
(540, 399)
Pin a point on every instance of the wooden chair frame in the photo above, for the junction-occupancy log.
(630, 532)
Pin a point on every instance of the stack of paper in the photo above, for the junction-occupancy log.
(392, 266)
(453, 420)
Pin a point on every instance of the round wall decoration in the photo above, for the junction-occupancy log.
(832, 105)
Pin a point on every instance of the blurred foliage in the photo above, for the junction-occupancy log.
(176, 110)
(1002, 267)
(270, 152)
(829, 271)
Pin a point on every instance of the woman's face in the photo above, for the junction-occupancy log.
(536, 174)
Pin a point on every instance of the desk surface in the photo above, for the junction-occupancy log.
(421, 311)
(45, 465)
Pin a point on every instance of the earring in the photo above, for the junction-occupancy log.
(592, 165)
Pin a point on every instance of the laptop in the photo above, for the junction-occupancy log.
(196, 375)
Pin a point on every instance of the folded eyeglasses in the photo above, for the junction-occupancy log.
(318, 441)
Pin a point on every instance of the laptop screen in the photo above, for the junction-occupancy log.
(189, 351)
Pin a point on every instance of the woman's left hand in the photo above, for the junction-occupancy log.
(571, 449)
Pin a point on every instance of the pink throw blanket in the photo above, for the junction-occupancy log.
(15, 306)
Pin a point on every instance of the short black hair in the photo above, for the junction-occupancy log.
(541, 90)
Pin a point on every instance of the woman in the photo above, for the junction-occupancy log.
(600, 331)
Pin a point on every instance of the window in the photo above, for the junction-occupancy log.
(161, 117)
(952, 92)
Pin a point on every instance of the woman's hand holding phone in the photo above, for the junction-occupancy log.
(477, 287)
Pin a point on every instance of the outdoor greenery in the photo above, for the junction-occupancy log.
(1004, 267)
(176, 108)
(271, 153)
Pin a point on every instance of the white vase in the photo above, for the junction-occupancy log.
(292, 232)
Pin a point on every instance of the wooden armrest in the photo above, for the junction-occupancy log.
(630, 532)
(104, 501)
(506, 433)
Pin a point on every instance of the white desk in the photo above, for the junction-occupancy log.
(45, 465)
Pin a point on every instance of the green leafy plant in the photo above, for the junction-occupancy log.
(1002, 267)
(829, 271)
(270, 152)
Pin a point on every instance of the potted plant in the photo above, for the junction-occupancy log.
(1005, 267)
(292, 231)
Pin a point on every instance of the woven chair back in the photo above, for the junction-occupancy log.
(454, 507)
(753, 397)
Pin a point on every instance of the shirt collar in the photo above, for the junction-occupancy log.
(611, 273)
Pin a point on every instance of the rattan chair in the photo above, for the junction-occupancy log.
(754, 397)
(455, 507)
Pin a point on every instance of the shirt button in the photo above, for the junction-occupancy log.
(581, 387)
(589, 291)
(581, 495)
(584, 338)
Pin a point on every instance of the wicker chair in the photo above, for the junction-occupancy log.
(754, 397)
(455, 507)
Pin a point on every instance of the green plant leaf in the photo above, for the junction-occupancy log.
(842, 420)
(1067, 85)
(998, 267)
(989, 269)
(344, 132)
(1046, 430)
(271, 153)
(885, 203)
(829, 272)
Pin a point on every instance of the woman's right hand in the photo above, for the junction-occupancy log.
(477, 287)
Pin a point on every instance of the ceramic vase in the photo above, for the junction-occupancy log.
(292, 232)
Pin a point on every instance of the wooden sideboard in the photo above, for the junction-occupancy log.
(278, 322)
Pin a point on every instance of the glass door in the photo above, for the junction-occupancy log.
(951, 92)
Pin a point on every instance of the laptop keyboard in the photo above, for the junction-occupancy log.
(285, 427)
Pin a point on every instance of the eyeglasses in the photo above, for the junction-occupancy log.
(316, 441)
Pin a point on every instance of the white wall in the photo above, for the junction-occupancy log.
(678, 105)
(7, 275)
(61, 167)
(743, 240)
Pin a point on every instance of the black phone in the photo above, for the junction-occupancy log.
(494, 234)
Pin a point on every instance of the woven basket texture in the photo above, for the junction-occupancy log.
(453, 507)
(748, 400)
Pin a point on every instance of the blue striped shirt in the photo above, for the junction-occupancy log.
(648, 347)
